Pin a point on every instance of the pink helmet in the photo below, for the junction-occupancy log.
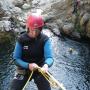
(34, 22)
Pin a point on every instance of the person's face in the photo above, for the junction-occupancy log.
(34, 33)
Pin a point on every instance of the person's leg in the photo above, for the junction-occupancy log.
(42, 83)
(18, 82)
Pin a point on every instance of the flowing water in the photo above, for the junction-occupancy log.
(71, 65)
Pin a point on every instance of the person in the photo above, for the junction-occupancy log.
(32, 49)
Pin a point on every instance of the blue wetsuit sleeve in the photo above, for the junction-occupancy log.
(48, 53)
(17, 56)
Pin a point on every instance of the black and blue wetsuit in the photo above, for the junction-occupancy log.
(28, 50)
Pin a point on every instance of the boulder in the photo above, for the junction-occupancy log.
(16, 11)
(84, 19)
(88, 29)
(18, 3)
(5, 25)
(68, 29)
(26, 6)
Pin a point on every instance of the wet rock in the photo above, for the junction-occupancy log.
(6, 39)
(26, 6)
(5, 25)
(84, 19)
(70, 50)
(68, 29)
(88, 29)
(76, 35)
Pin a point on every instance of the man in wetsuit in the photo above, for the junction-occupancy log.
(32, 49)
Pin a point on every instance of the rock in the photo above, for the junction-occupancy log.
(84, 19)
(20, 30)
(76, 35)
(16, 11)
(68, 29)
(70, 50)
(73, 18)
(5, 25)
(88, 29)
(18, 3)
(2, 11)
(26, 6)
(60, 24)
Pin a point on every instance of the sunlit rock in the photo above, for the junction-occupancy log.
(88, 29)
(84, 19)
(26, 6)
(5, 25)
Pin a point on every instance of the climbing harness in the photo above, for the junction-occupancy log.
(53, 82)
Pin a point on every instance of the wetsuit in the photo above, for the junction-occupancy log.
(29, 50)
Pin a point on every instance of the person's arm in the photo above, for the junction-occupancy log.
(48, 53)
(17, 56)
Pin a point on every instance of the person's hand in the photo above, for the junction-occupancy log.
(45, 68)
(33, 66)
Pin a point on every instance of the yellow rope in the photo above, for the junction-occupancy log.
(53, 82)
(28, 80)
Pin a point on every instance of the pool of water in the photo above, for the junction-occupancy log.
(71, 65)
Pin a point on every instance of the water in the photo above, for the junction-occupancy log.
(71, 65)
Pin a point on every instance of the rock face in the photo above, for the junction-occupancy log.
(88, 29)
(75, 12)
(78, 12)
(71, 16)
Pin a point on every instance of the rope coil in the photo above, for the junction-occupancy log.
(53, 82)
